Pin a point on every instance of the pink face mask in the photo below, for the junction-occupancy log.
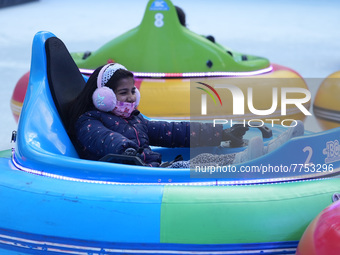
(124, 109)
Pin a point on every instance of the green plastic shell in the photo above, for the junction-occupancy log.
(161, 44)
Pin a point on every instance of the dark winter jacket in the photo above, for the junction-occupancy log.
(100, 133)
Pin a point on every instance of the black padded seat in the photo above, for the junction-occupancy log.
(64, 77)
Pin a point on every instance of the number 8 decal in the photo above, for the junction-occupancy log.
(159, 20)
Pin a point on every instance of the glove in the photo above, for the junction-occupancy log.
(235, 135)
(130, 152)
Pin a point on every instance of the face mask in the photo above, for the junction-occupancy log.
(124, 109)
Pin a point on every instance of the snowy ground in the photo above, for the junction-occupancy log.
(303, 35)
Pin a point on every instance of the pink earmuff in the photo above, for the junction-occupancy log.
(104, 99)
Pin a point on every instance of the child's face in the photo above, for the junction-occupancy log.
(126, 90)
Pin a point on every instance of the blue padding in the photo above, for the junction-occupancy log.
(97, 212)
(32, 245)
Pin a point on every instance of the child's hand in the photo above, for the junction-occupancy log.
(234, 135)
(130, 152)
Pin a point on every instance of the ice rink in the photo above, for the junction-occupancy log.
(303, 35)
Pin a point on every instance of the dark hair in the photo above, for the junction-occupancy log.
(181, 15)
(84, 103)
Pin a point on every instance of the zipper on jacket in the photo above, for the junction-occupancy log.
(135, 132)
